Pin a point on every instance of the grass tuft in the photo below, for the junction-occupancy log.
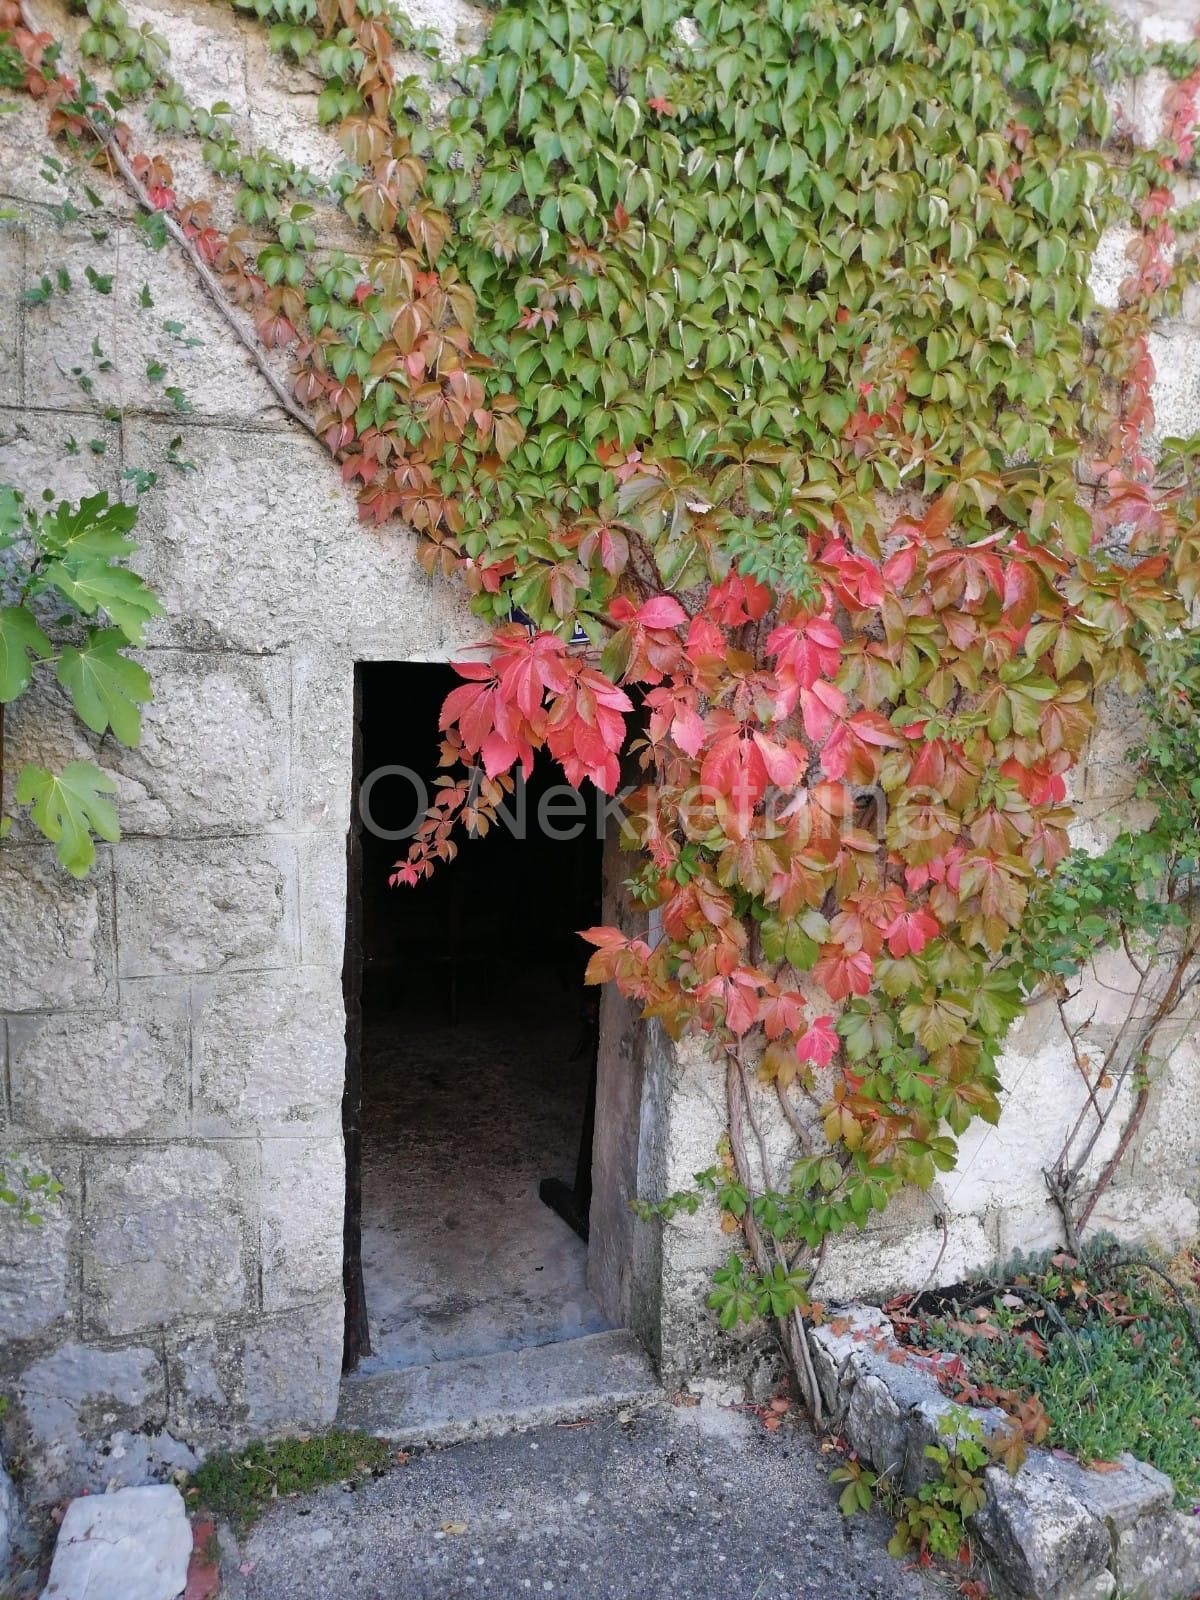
(239, 1485)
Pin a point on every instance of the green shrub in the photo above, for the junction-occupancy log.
(1109, 1351)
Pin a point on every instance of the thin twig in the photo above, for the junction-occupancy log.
(108, 142)
(940, 1217)
(1166, 1005)
(759, 1138)
(1072, 1036)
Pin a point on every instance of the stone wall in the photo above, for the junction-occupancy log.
(171, 1029)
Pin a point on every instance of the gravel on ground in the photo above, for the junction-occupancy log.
(668, 1502)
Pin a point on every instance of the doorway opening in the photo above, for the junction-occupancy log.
(472, 1055)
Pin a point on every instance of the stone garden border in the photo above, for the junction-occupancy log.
(1055, 1531)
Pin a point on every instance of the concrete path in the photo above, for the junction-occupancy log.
(661, 1503)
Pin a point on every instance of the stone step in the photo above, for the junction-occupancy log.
(477, 1396)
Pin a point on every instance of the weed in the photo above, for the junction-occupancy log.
(238, 1485)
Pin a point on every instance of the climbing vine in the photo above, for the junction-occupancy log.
(740, 359)
(72, 606)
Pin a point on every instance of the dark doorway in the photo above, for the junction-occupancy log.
(472, 1046)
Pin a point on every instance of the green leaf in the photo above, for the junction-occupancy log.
(20, 638)
(95, 527)
(105, 686)
(69, 808)
(10, 511)
(94, 585)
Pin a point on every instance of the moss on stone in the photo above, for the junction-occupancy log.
(238, 1485)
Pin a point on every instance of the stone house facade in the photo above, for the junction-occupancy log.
(172, 1029)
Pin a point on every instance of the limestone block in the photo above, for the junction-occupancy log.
(1110, 266)
(37, 1272)
(1027, 1225)
(132, 1545)
(1167, 1143)
(839, 1345)
(292, 1369)
(1150, 13)
(214, 750)
(877, 1424)
(79, 1073)
(1176, 357)
(1043, 1536)
(1169, 22)
(76, 1395)
(1001, 1166)
(283, 113)
(261, 546)
(866, 1264)
(926, 1421)
(300, 1206)
(164, 1237)
(12, 276)
(690, 1340)
(1119, 1499)
(55, 932)
(1150, 1212)
(42, 727)
(695, 1115)
(205, 1382)
(1159, 1557)
(270, 1052)
(1120, 727)
(1147, 114)
(215, 745)
(1099, 1586)
(24, 144)
(124, 1457)
(36, 453)
(322, 738)
(322, 895)
(460, 27)
(63, 335)
(205, 907)
(208, 46)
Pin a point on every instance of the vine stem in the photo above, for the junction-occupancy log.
(1064, 1178)
(792, 1329)
(109, 143)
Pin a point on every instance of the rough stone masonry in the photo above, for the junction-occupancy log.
(171, 1029)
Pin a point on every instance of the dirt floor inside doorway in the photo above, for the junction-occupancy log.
(460, 1255)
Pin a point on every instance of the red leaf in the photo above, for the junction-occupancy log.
(841, 973)
(819, 1043)
(910, 932)
(784, 763)
(662, 612)
(821, 705)
(688, 731)
(498, 755)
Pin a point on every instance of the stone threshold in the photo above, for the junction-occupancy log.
(477, 1396)
(1054, 1531)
